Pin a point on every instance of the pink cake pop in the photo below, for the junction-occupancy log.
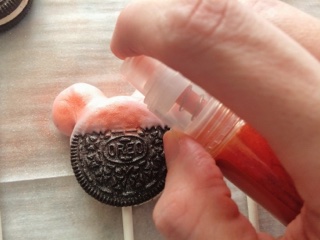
(116, 144)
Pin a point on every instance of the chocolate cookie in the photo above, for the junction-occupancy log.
(12, 12)
(120, 168)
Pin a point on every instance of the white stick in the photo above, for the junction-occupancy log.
(127, 223)
(0, 227)
(253, 213)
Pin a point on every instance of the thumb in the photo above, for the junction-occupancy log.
(196, 202)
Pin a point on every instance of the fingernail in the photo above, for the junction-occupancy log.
(172, 140)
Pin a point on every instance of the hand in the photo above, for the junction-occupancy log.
(259, 58)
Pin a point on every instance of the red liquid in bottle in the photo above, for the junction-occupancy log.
(248, 161)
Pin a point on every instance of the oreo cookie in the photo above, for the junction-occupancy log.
(120, 168)
(12, 12)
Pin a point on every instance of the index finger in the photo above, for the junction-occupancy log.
(250, 65)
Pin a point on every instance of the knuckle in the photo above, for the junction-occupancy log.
(194, 28)
(197, 18)
(205, 16)
(206, 165)
(169, 214)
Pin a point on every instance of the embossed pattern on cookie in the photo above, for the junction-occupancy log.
(120, 168)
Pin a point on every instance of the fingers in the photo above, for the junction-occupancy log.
(302, 27)
(196, 202)
(254, 68)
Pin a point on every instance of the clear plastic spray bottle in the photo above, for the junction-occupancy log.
(243, 156)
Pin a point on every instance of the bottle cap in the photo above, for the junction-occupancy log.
(168, 94)
(155, 81)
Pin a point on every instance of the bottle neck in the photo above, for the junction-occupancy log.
(214, 126)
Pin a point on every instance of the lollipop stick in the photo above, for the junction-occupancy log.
(0, 228)
(127, 223)
(253, 213)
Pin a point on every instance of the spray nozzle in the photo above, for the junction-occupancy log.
(167, 93)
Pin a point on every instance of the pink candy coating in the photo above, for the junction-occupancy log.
(83, 108)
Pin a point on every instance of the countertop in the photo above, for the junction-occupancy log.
(60, 43)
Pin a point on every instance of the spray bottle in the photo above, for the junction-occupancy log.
(244, 157)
